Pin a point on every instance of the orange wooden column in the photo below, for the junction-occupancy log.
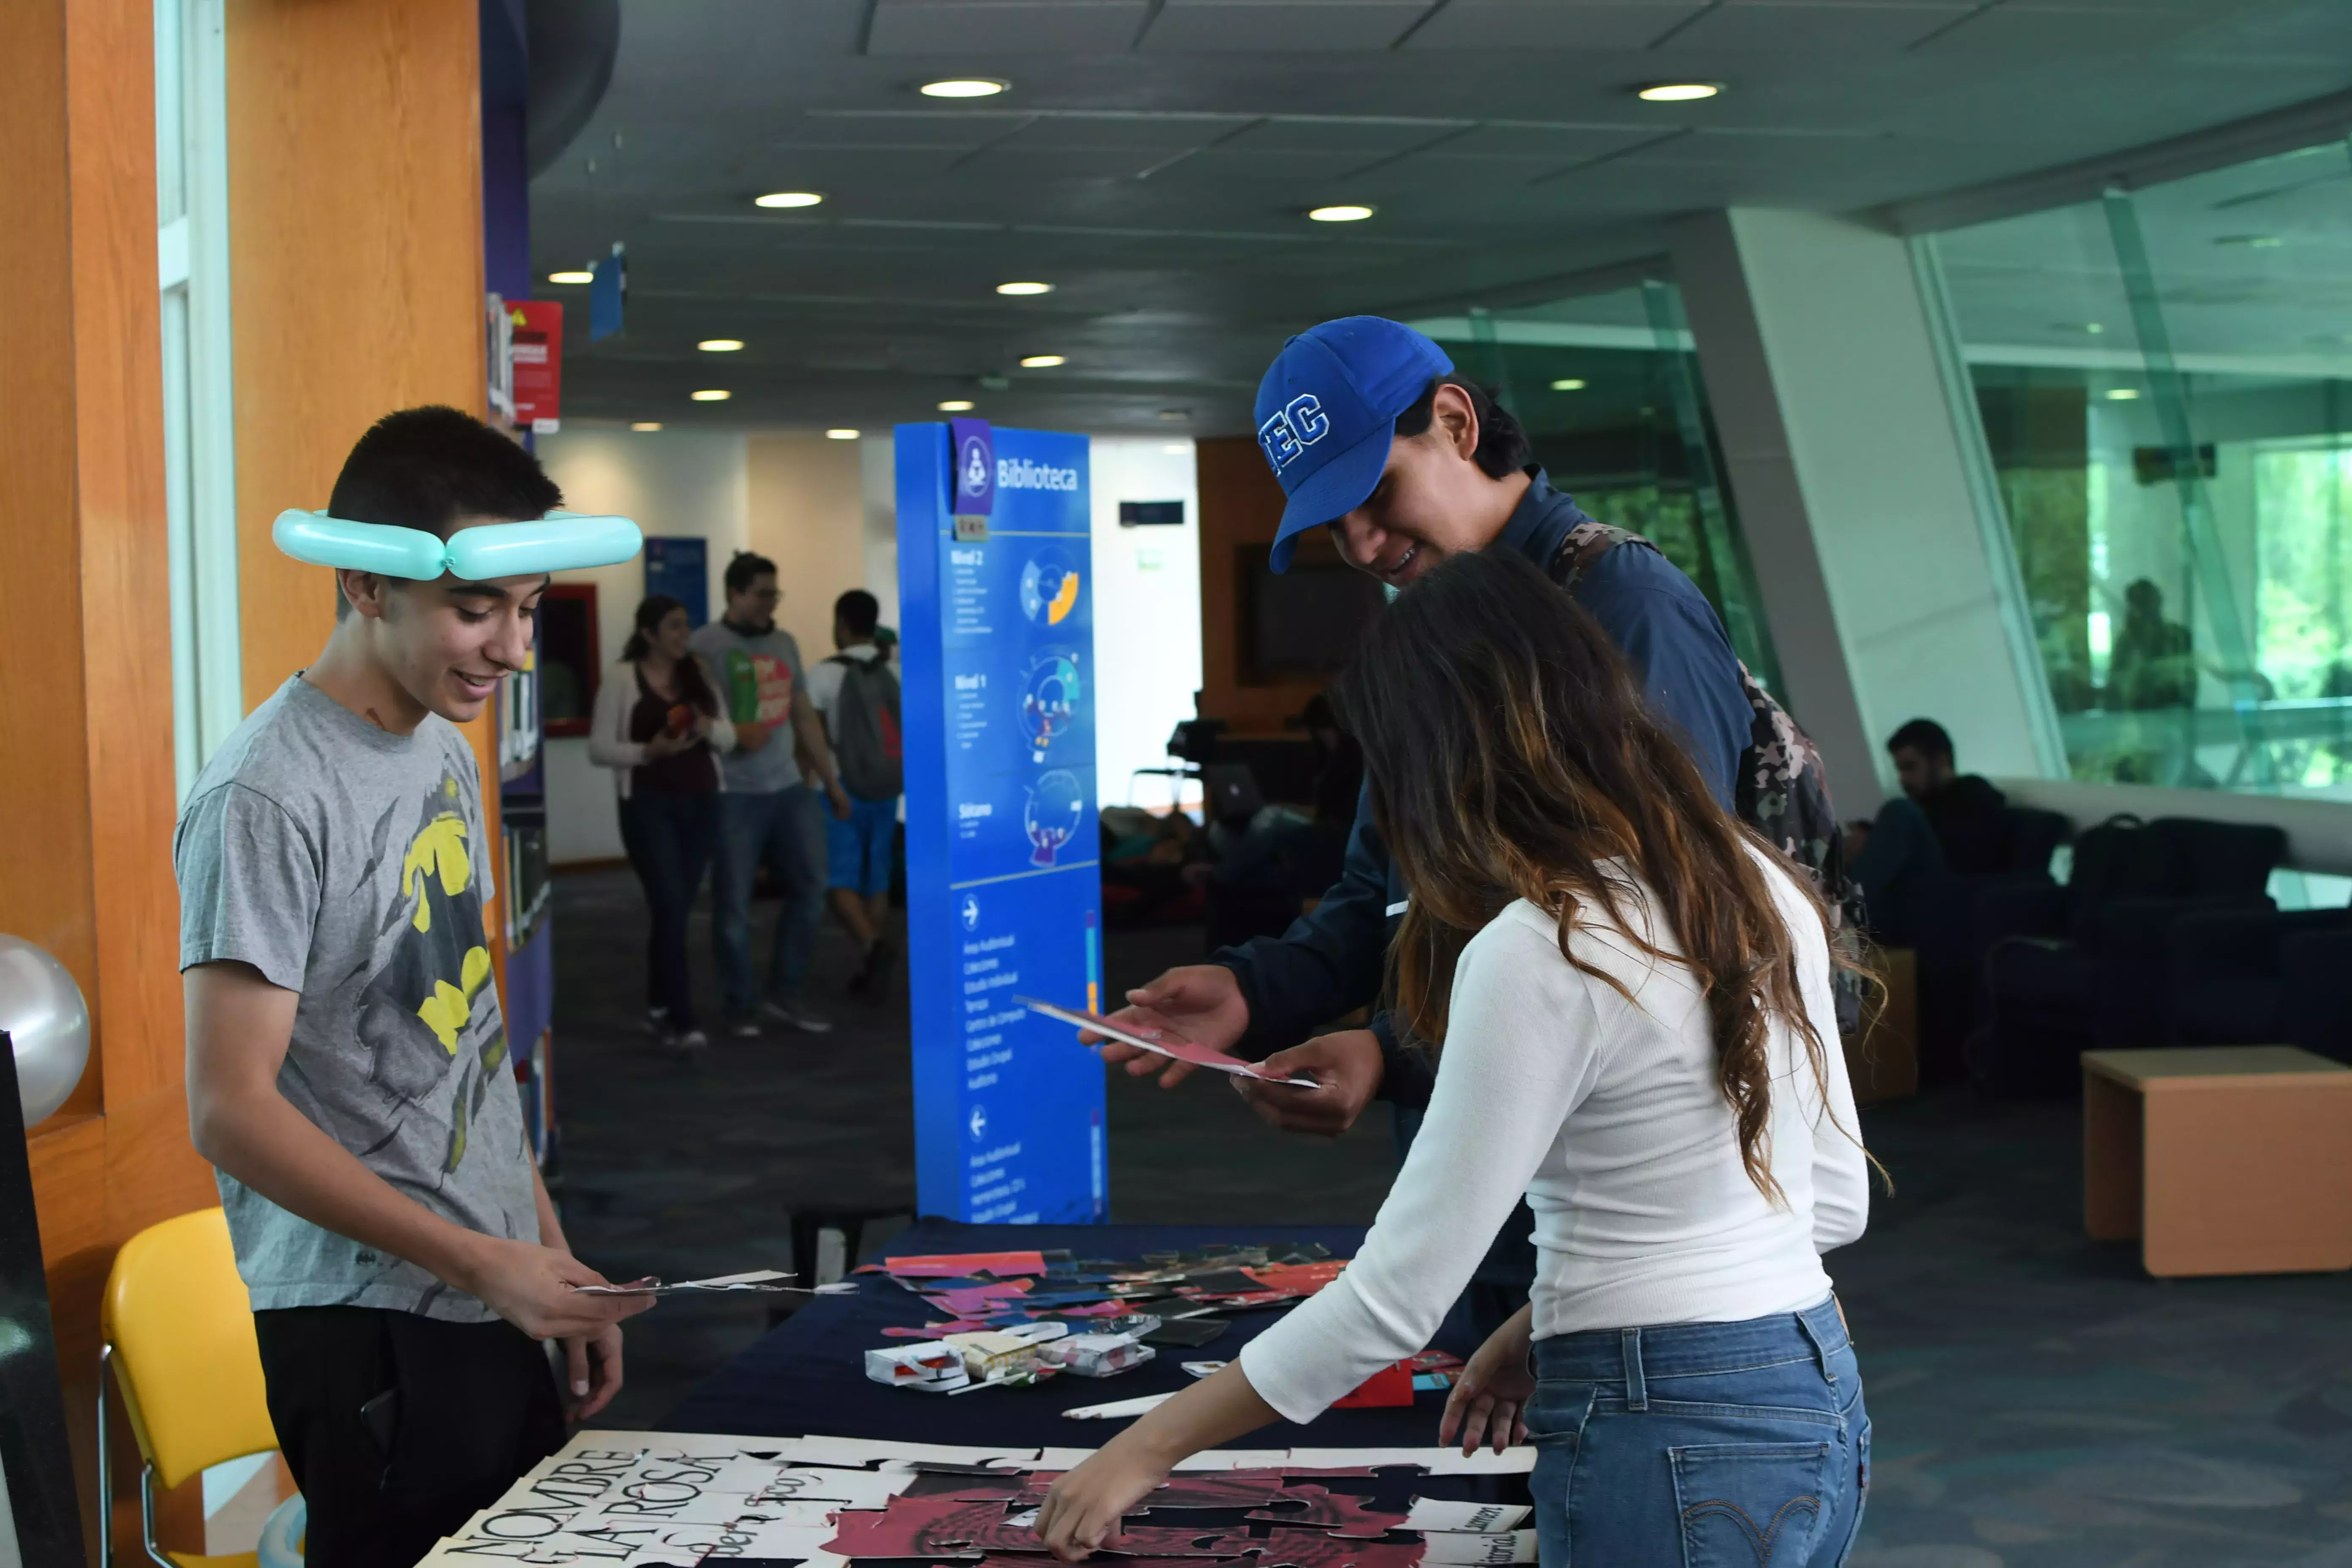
(356, 259)
(85, 639)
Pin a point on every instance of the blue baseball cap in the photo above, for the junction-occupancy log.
(1327, 411)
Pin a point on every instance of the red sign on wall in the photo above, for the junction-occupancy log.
(537, 363)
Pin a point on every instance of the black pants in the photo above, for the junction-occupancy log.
(669, 838)
(473, 1407)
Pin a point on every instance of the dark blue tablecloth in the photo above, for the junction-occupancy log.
(809, 1375)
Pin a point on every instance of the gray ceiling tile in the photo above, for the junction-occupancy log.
(1500, 25)
(1812, 27)
(984, 27)
(2021, 32)
(1224, 26)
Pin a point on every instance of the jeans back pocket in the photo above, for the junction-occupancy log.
(1750, 1505)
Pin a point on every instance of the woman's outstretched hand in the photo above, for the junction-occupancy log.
(1083, 1509)
(1490, 1398)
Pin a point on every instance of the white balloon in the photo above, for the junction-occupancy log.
(45, 1020)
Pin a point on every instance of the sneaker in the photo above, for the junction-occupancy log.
(744, 1029)
(684, 1044)
(795, 1016)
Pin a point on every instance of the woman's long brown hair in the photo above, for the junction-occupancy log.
(1510, 755)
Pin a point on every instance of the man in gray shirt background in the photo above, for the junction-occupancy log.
(768, 814)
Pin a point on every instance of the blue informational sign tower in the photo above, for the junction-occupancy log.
(1003, 872)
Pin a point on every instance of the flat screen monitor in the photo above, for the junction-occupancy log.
(1302, 625)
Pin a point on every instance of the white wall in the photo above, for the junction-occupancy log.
(1147, 613)
(675, 484)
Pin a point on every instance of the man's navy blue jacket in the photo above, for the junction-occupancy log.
(1331, 962)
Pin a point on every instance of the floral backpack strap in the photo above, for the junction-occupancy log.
(1587, 542)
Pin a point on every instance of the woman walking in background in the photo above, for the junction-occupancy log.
(1631, 993)
(659, 725)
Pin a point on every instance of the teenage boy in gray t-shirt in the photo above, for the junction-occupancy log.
(349, 1070)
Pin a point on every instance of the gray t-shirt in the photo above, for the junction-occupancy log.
(760, 678)
(348, 864)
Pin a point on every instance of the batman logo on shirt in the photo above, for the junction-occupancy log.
(414, 1014)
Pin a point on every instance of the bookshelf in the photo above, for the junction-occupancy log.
(524, 912)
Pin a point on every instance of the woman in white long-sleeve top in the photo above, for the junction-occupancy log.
(1630, 992)
(660, 726)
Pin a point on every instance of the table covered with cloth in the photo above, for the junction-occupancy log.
(808, 1375)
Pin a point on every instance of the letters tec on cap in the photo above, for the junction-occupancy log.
(1326, 410)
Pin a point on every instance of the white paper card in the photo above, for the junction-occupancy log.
(842, 1488)
(1441, 1513)
(1463, 1550)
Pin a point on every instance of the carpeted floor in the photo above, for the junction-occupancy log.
(2038, 1402)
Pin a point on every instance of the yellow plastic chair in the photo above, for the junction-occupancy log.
(178, 1331)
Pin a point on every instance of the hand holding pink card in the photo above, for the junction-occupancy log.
(1182, 1050)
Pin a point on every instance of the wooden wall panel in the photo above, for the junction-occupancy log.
(355, 249)
(44, 866)
(1240, 505)
(125, 549)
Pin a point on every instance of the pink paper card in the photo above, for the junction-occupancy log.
(1181, 1049)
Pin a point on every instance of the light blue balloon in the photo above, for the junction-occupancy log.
(560, 542)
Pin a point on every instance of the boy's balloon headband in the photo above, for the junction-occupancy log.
(556, 542)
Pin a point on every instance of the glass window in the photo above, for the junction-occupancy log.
(199, 432)
(1608, 388)
(2164, 379)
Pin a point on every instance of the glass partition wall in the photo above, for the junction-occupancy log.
(2163, 381)
(1608, 388)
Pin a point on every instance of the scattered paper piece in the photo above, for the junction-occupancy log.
(1319, 1507)
(1483, 1517)
(1118, 1410)
(960, 1265)
(1182, 1050)
(1466, 1550)
(763, 1281)
(836, 1488)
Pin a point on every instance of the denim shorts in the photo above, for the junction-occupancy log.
(1700, 1444)
(858, 852)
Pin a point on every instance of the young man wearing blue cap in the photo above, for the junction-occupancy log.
(1373, 436)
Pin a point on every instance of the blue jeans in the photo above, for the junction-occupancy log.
(668, 839)
(1700, 1444)
(784, 829)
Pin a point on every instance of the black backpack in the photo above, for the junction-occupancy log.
(867, 745)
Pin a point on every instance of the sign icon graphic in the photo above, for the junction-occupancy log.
(1051, 814)
(978, 1122)
(1049, 587)
(1050, 697)
(969, 911)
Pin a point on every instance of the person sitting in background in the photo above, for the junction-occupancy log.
(1944, 821)
(658, 725)
(858, 697)
(2152, 665)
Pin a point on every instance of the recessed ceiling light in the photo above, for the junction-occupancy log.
(1679, 92)
(788, 199)
(956, 406)
(647, 425)
(1040, 362)
(1569, 384)
(1344, 213)
(2122, 393)
(1024, 288)
(964, 86)
(843, 434)
(571, 277)
(2093, 328)
(719, 345)
(1175, 413)
(1176, 449)
(712, 394)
